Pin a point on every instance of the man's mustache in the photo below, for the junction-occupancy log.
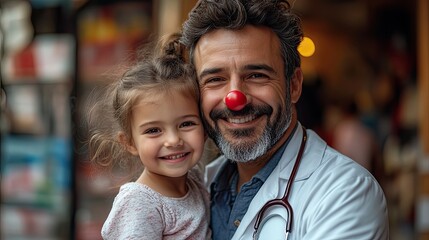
(249, 109)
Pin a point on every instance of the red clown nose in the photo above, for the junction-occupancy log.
(235, 100)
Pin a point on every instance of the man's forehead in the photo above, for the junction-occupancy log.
(248, 46)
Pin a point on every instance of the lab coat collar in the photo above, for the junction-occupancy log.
(311, 159)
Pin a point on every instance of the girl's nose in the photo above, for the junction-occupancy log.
(173, 140)
(235, 100)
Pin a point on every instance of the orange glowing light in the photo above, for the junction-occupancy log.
(306, 48)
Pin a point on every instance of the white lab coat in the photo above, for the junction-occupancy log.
(332, 197)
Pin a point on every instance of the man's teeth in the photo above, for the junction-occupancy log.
(241, 120)
(175, 156)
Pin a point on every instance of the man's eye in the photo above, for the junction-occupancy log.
(152, 131)
(188, 124)
(213, 80)
(257, 75)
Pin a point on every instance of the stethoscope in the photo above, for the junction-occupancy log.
(235, 100)
(284, 200)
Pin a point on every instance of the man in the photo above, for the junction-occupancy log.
(250, 48)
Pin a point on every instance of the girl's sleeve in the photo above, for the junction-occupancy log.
(134, 216)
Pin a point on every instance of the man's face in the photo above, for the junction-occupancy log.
(248, 60)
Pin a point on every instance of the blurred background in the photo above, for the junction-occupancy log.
(366, 92)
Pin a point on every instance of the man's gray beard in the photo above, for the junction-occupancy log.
(248, 152)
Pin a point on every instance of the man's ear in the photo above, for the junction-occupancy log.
(296, 85)
(128, 143)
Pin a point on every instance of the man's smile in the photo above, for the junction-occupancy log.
(241, 120)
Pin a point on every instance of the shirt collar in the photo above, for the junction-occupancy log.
(269, 167)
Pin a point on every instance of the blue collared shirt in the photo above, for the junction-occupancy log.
(227, 206)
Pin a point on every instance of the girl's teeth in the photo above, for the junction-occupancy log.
(176, 156)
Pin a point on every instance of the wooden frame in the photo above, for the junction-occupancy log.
(423, 70)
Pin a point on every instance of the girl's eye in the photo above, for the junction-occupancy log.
(188, 124)
(152, 131)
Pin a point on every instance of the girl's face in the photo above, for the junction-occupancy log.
(167, 134)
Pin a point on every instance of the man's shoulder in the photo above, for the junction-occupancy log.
(334, 167)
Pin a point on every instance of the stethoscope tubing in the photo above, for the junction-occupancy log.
(284, 200)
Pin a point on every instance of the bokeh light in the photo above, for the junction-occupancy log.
(306, 48)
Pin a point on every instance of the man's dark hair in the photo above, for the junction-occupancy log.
(209, 15)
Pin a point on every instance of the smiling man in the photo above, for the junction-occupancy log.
(250, 48)
(247, 134)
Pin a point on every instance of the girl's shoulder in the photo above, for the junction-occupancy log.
(136, 192)
(134, 208)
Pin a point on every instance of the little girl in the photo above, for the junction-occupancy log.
(157, 124)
